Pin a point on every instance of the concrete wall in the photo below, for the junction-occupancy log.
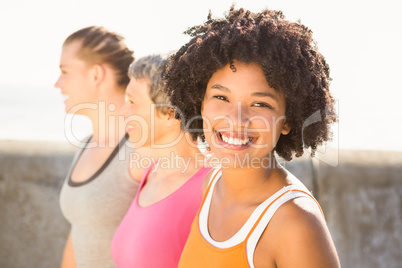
(361, 198)
(32, 228)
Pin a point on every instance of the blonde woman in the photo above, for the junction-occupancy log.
(98, 188)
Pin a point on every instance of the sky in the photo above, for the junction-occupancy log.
(360, 40)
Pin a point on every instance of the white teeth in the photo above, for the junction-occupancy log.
(235, 141)
(224, 138)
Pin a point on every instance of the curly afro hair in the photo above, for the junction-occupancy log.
(289, 59)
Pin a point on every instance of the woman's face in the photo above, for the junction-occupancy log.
(75, 81)
(243, 116)
(145, 126)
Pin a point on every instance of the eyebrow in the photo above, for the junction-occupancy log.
(265, 94)
(255, 94)
(220, 87)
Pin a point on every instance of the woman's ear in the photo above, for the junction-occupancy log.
(286, 128)
(98, 73)
(172, 113)
(169, 116)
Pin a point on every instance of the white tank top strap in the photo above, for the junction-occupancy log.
(216, 174)
(242, 234)
(285, 194)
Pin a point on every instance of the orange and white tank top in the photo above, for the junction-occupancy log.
(238, 251)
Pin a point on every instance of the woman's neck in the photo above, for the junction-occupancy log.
(245, 182)
(179, 156)
(107, 122)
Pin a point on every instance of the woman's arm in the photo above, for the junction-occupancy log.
(68, 260)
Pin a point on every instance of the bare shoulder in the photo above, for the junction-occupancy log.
(297, 236)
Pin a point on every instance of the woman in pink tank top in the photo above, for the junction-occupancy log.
(254, 85)
(156, 226)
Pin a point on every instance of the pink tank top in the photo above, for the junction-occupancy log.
(154, 236)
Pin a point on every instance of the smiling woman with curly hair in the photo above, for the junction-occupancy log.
(251, 84)
(288, 57)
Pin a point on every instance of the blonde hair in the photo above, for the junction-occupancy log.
(100, 46)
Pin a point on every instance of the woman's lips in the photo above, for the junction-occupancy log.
(234, 141)
(65, 97)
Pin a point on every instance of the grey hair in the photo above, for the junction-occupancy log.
(152, 68)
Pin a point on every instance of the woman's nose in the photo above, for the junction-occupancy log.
(58, 82)
(238, 115)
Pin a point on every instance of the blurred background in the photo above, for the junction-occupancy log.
(361, 41)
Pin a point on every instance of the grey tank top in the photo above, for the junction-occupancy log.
(96, 207)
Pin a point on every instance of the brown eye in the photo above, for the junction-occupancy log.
(263, 105)
(220, 97)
